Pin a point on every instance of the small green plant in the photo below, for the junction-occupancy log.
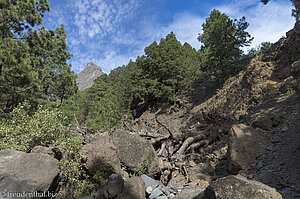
(143, 170)
(261, 113)
(102, 174)
(295, 63)
(288, 92)
(99, 175)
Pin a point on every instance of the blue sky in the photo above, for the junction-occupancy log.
(111, 32)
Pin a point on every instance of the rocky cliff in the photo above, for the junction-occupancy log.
(86, 77)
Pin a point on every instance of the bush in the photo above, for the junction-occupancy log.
(46, 127)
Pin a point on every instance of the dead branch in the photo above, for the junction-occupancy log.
(163, 147)
(188, 141)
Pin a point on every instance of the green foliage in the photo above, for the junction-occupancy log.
(97, 107)
(45, 127)
(167, 67)
(262, 113)
(261, 48)
(295, 63)
(32, 63)
(144, 169)
(222, 39)
(103, 174)
(156, 77)
(25, 131)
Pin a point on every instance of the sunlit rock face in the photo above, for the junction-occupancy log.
(85, 78)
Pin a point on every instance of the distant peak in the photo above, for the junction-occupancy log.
(86, 77)
(91, 65)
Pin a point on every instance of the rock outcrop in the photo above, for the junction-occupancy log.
(86, 77)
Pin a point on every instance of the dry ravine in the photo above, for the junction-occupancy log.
(242, 142)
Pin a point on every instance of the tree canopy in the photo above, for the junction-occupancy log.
(222, 39)
(32, 62)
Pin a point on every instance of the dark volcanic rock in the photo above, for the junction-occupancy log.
(244, 145)
(239, 187)
(86, 77)
(27, 172)
(134, 188)
(101, 156)
(133, 150)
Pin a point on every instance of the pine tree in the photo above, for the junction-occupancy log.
(32, 63)
(222, 38)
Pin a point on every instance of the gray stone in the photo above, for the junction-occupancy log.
(149, 190)
(165, 191)
(27, 172)
(42, 149)
(134, 150)
(101, 155)
(149, 182)
(202, 171)
(87, 197)
(284, 129)
(191, 192)
(162, 197)
(155, 193)
(263, 122)
(259, 165)
(239, 187)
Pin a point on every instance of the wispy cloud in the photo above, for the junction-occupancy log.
(267, 22)
(102, 17)
(111, 32)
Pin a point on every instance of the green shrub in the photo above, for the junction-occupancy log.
(45, 127)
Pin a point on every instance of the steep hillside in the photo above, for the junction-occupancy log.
(196, 129)
(86, 77)
(262, 85)
(266, 95)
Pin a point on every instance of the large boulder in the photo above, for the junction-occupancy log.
(239, 187)
(244, 145)
(27, 172)
(134, 150)
(101, 157)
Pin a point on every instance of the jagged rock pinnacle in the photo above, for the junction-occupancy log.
(86, 77)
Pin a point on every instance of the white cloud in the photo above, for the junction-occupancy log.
(186, 27)
(97, 29)
(267, 22)
(102, 17)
